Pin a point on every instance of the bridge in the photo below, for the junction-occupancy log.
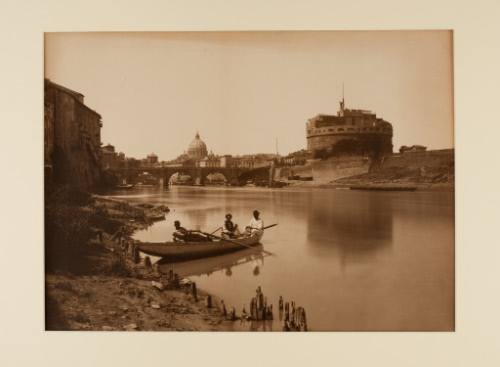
(198, 174)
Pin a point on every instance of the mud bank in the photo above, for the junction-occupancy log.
(112, 291)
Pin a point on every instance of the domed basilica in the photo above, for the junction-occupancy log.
(197, 149)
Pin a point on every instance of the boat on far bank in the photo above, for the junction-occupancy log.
(195, 250)
(155, 216)
(383, 188)
(129, 186)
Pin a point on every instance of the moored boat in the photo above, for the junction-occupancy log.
(155, 216)
(129, 186)
(196, 250)
(384, 188)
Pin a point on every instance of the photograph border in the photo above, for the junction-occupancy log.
(475, 29)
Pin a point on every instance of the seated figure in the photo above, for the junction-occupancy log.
(230, 229)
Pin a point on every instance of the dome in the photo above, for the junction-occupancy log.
(197, 149)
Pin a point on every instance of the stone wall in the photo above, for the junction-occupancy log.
(432, 159)
(331, 169)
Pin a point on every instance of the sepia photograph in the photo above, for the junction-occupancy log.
(270, 181)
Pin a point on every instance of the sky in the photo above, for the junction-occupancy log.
(253, 92)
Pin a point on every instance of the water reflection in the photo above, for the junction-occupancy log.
(253, 259)
(354, 260)
(354, 226)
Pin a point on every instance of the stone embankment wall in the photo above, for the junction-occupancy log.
(431, 159)
(331, 169)
(437, 162)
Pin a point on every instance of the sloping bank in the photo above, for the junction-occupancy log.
(434, 170)
(93, 283)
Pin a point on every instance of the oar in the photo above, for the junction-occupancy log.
(272, 225)
(237, 243)
(216, 230)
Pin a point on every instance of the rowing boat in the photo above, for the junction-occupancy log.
(129, 186)
(196, 250)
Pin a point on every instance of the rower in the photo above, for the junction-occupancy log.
(180, 232)
(256, 225)
(229, 228)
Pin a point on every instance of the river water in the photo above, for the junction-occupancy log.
(354, 260)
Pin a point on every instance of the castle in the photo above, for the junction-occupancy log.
(324, 131)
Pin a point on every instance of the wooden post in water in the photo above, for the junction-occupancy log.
(253, 309)
(232, 314)
(193, 291)
(262, 308)
(137, 256)
(269, 314)
(147, 262)
(127, 244)
(223, 308)
(302, 322)
(208, 301)
(175, 281)
(280, 304)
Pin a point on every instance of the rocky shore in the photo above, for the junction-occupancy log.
(106, 288)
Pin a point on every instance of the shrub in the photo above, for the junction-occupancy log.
(120, 267)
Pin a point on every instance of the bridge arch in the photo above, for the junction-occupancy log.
(198, 174)
(170, 173)
(230, 176)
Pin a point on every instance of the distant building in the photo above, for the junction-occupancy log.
(197, 155)
(152, 159)
(109, 156)
(297, 158)
(226, 160)
(197, 149)
(111, 159)
(210, 161)
(413, 149)
(72, 134)
(323, 131)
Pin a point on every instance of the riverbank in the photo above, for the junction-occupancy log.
(93, 283)
(429, 171)
(361, 180)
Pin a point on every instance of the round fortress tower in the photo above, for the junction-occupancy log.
(323, 131)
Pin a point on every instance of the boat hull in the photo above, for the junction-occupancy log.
(196, 250)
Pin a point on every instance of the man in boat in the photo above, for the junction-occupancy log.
(181, 234)
(229, 228)
(256, 225)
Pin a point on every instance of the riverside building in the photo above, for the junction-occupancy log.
(323, 131)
